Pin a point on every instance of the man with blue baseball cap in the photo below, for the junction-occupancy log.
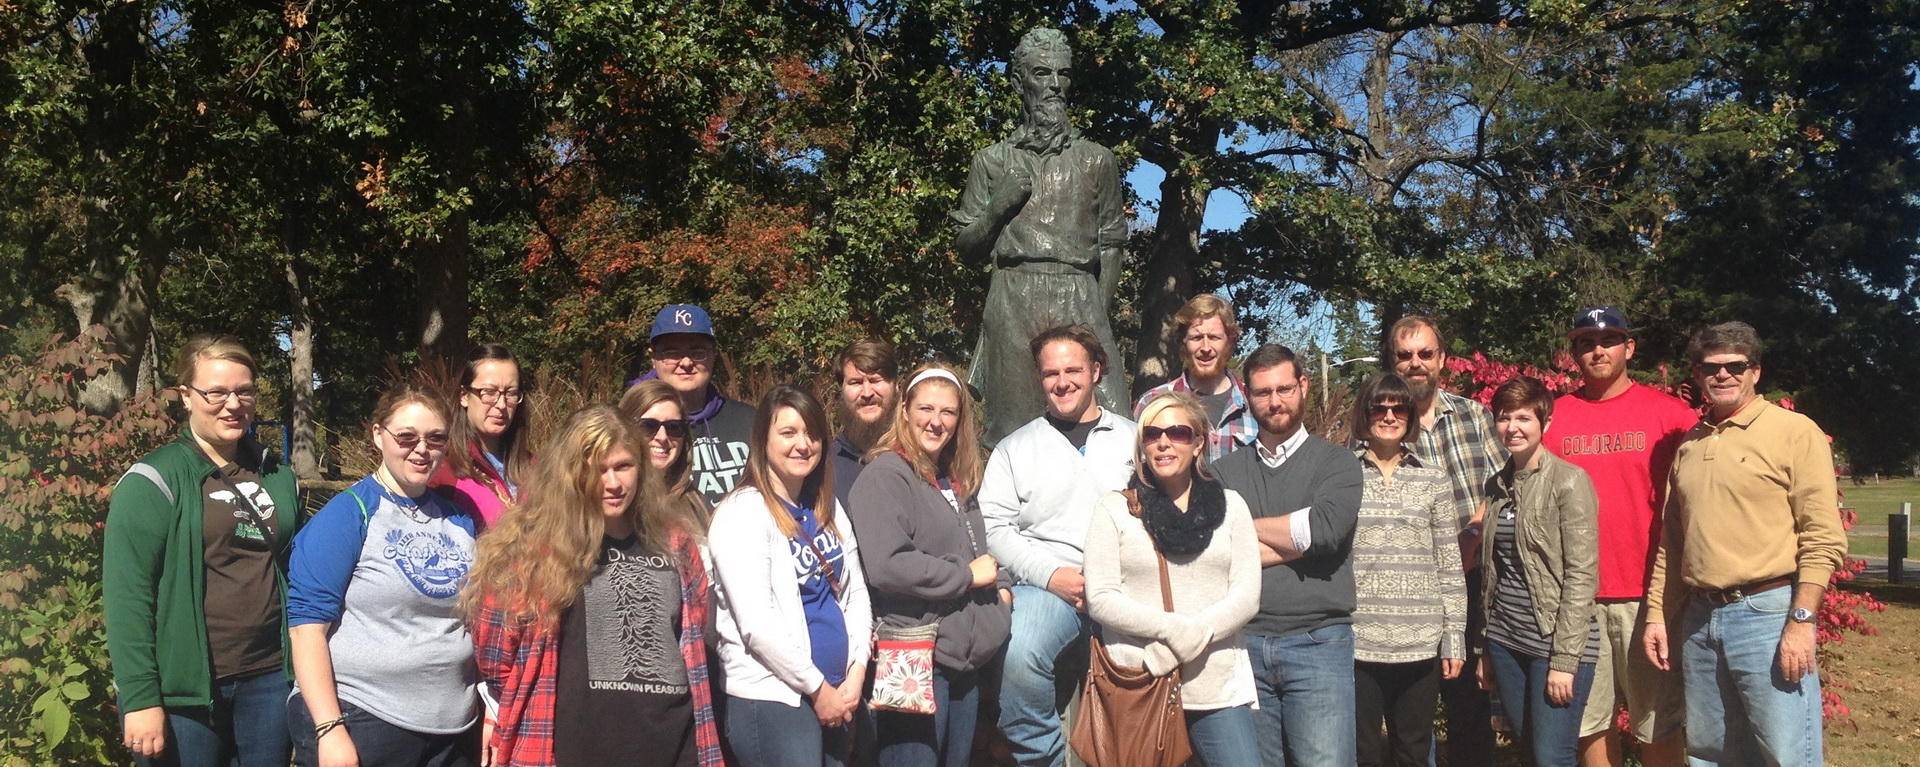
(683, 352)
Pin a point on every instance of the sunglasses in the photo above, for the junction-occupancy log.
(1425, 355)
(676, 429)
(407, 440)
(1712, 369)
(1379, 410)
(1180, 435)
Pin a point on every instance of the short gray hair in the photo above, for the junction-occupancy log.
(1727, 337)
(1036, 41)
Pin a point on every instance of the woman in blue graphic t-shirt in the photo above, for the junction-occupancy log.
(794, 623)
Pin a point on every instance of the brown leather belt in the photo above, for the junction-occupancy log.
(1737, 593)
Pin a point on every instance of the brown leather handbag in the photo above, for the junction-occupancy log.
(1129, 717)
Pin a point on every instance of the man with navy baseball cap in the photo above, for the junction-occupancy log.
(683, 351)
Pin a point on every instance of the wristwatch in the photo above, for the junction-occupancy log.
(1801, 615)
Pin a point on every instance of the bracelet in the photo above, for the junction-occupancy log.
(320, 730)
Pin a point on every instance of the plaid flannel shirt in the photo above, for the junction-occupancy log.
(1461, 442)
(520, 668)
(1236, 428)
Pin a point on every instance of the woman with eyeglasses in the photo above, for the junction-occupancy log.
(491, 453)
(588, 606)
(1542, 561)
(382, 662)
(794, 622)
(1176, 533)
(194, 577)
(655, 406)
(925, 544)
(1410, 610)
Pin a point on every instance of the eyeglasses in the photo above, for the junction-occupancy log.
(699, 354)
(1736, 368)
(1399, 411)
(676, 429)
(1407, 355)
(1180, 435)
(1285, 392)
(407, 440)
(218, 397)
(490, 396)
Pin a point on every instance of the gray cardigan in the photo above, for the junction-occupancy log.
(916, 551)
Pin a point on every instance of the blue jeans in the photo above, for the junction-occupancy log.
(1044, 627)
(247, 726)
(1549, 733)
(768, 734)
(941, 739)
(1224, 737)
(380, 743)
(1740, 710)
(1305, 682)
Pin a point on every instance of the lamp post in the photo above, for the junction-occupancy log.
(1327, 364)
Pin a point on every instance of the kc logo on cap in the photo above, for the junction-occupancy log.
(681, 318)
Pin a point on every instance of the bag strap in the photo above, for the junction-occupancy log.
(1166, 589)
(826, 568)
(266, 523)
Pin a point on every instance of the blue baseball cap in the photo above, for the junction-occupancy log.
(681, 318)
(1598, 318)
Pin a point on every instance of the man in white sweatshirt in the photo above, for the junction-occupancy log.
(1040, 490)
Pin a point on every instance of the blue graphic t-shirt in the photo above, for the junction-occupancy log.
(826, 625)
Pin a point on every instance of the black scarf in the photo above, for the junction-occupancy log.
(1181, 533)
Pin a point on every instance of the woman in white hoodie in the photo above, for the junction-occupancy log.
(794, 622)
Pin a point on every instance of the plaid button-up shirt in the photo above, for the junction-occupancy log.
(520, 669)
(1236, 428)
(1461, 443)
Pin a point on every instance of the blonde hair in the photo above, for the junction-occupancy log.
(208, 347)
(1188, 407)
(537, 558)
(960, 461)
(676, 484)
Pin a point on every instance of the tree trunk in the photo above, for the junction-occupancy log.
(306, 455)
(118, 294)
(441, 264)
(1168, 278)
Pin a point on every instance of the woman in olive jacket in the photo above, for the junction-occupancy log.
(1541, 557)
(923, 542)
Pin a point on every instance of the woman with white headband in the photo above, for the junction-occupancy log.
(924, 545)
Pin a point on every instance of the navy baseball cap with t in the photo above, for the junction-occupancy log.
(681, 318)
(1598, 318)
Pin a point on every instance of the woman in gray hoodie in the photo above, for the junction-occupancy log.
(923, 541)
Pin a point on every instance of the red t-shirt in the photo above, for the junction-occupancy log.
(1626, 444)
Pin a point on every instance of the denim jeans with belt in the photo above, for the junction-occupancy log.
(1305, 684)
(1740, 710)
(1549, 733)
(247, 726)
(1044, 627)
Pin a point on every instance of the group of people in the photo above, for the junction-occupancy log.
(685, 579)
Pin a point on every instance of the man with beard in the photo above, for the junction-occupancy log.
(1045, 208)
(867, 369)
(1304, 493)
(1624, 436)
(1038, 495)
(1751, 536)
(1456, 434)
(1206, 332)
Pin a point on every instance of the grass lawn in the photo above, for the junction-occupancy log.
(1874, 502)
(1884, 730)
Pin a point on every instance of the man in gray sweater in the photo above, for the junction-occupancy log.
(1304, 493)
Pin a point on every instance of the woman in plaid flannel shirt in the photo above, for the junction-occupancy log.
(584, 646)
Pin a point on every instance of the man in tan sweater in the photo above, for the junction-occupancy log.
(1752, 535)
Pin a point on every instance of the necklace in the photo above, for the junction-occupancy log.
(401, 500)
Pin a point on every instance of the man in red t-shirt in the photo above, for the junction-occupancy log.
(1624, 435)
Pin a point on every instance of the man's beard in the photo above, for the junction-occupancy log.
(1046, 129)
(1422, 390)
(864, 433)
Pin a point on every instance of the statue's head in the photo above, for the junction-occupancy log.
(1042, 66)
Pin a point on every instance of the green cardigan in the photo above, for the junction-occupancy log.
(154, 577)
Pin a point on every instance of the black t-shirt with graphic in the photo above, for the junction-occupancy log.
(622, 695)
(242, 591)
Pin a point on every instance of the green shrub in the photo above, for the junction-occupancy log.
(57, 469)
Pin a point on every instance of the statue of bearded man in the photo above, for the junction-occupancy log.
(1045, 205)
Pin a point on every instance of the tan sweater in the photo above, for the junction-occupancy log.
(1214, 595)
(1750, 498)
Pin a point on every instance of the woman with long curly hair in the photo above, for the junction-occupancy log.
(588, 605)
(655, 406)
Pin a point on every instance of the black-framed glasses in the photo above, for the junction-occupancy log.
(1399, 411)
(218, 397)
(407, 440)
(676, 428)
(1736, 368)
(1179, 435)
(490, 395)
(698, 354)
(1407, 355)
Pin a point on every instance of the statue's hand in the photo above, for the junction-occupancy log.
(1014, 189)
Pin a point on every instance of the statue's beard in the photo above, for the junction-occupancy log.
(1046, 129)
